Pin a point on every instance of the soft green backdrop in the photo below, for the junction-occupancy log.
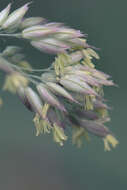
(28, 162)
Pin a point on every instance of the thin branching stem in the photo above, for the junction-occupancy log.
(17, 35)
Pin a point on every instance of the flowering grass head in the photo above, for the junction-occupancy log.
(68, 94)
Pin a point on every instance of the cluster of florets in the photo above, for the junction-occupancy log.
(68, 94)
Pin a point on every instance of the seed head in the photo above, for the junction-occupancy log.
(31, 21)
(68, 94)
(15, 17)
(4, 14)
(34, 101)
(47, 96)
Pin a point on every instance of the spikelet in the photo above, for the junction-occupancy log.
(4, 14)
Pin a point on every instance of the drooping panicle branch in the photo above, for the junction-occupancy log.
(68, 94)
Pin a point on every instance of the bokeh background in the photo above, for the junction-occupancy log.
(28, 162)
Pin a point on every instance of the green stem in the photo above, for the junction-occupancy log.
(18, 35)
(7, 67)
(33, 70)
(34, 76)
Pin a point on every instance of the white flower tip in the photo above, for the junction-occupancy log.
(26, 6)
(9, 6)
(29, 3)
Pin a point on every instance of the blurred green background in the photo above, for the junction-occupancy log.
(28, 162)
